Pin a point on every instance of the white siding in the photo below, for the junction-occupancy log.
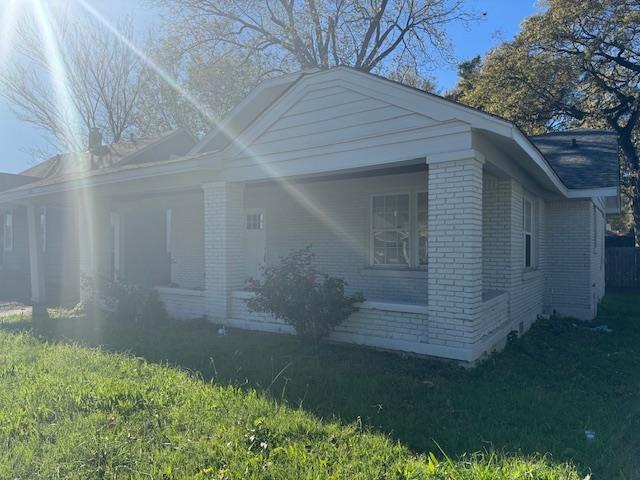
(329, 116)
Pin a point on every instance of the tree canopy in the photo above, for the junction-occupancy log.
(577, 64)
(368, 35)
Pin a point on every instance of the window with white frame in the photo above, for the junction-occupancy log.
(8, 232)
(528, 227)
(255, 221)
(399, 230)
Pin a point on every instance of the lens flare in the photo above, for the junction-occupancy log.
(8, 14)
(313, 208)
(82, 201)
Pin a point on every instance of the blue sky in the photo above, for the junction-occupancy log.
(501, 22)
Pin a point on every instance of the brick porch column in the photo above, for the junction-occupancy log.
(454, 297)
(223, 246)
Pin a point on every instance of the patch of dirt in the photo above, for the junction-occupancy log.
(13, 308)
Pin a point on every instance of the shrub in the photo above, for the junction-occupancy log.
(297, 293)
(123, 302)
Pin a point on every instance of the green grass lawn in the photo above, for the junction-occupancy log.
(79, 413)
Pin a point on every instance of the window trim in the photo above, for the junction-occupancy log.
(532, 233)
(413, 263)
(7, 241)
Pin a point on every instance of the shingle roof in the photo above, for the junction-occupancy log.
(122, 153)
(582, 158)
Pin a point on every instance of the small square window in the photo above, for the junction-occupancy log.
(255, 221)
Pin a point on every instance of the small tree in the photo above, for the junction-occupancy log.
(297, 293)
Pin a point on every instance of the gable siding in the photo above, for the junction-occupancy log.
(329, 116)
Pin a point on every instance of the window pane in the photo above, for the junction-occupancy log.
(391, 220)
(402, 203)
(390, 203)
(422, 247)
(405, 257)
(527, 252)
(378, 212)
(421, 210)
(402, 220)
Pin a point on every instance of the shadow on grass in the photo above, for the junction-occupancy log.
(540, 395)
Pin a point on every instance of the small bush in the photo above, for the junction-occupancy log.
(124, 302)
(297, 293)
(153, 309)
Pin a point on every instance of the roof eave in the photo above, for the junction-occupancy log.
(141, 172)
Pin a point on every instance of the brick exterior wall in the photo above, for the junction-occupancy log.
(183, 304)
(526, 286)
(496, 231)
(455, 281)
(388, 326)
(575, 279)
(223, 246)
(478, 287)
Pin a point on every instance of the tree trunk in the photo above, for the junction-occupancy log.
(629, 150)
(635, 204)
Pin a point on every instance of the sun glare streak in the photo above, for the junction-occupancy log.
(59, 75)
(8, 14)
(308, 204)
(82, 200)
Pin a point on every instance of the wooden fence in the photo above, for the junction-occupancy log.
(622, 267)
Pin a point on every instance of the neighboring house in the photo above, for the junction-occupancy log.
(457, 228)
(57, 240)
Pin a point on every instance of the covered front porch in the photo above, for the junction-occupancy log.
(421, 241)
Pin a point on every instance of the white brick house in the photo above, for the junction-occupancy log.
(457, 228)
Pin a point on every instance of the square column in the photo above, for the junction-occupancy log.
(455, 251)
(92, 221)
(223, 246)
(36, 262)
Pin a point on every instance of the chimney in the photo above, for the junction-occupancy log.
(95, 140)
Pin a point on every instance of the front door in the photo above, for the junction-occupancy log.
(254, 243)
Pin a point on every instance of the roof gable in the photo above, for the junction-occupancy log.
(324, 97)
(337, 106)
